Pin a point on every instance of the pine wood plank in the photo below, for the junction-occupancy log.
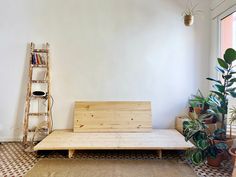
(41, 50)
(39, 81)
(71, 153)
(38, 66)
(27, 103)
(48, 78)
(38, 114)
(162, 139)
(112, 116)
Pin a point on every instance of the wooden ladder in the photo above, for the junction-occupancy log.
(39, 58)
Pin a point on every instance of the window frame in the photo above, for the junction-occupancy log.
(223, 15)
(220, 17)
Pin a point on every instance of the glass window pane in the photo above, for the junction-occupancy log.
(228, 33)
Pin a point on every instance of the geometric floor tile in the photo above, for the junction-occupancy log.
(14, 161)
(204, 170)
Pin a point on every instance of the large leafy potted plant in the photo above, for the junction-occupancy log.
(206, 149)
(223, 89)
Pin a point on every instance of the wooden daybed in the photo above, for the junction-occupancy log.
(113, 126)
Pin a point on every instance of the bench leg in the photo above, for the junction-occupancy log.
(160, 153)
(71, 153)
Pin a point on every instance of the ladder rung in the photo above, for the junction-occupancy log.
(40, 50)
(39, 66)
(38, 97)
(38, 114)
(40, 81)
(39, 130)
(31, 130)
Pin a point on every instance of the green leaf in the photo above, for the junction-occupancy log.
(219, 131)
(229, 84)
(211, 79)
(220, 88)
(232, 80)
(186, 123)
(212, 151)
(227, 77)
(221, 110)
(214, 100)
(202, 144)
(219, 134)
(222, 63)
(220, 70)
(190, 134)
(231, 90)
(232, 70)
(230, 55)
(220, 95)
(233, 94)
(221, 146)
(199, 136)
(197, 157)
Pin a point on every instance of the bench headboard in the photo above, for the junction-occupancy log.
(114, 116)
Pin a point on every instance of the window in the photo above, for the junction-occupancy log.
(227, 32)
(227, 39)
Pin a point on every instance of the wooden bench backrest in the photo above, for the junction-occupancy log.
(112, 116)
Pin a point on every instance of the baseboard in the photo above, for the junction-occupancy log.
(10, 140)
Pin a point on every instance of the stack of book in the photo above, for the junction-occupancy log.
(38, 59)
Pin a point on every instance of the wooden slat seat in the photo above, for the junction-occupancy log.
(163, 139)
(113, 126)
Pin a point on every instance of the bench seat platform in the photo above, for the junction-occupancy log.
(156, 139)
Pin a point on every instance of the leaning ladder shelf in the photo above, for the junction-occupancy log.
(29, 97)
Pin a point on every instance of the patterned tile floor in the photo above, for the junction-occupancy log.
(14, 161)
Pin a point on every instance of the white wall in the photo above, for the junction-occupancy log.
(103, 50)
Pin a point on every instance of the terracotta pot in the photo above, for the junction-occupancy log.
(215, 162)
(197, 110)
(229, 142)
(211, 128)
(188, 20)
(232, 152)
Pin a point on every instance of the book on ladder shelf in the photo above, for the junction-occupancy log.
(38, 60)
